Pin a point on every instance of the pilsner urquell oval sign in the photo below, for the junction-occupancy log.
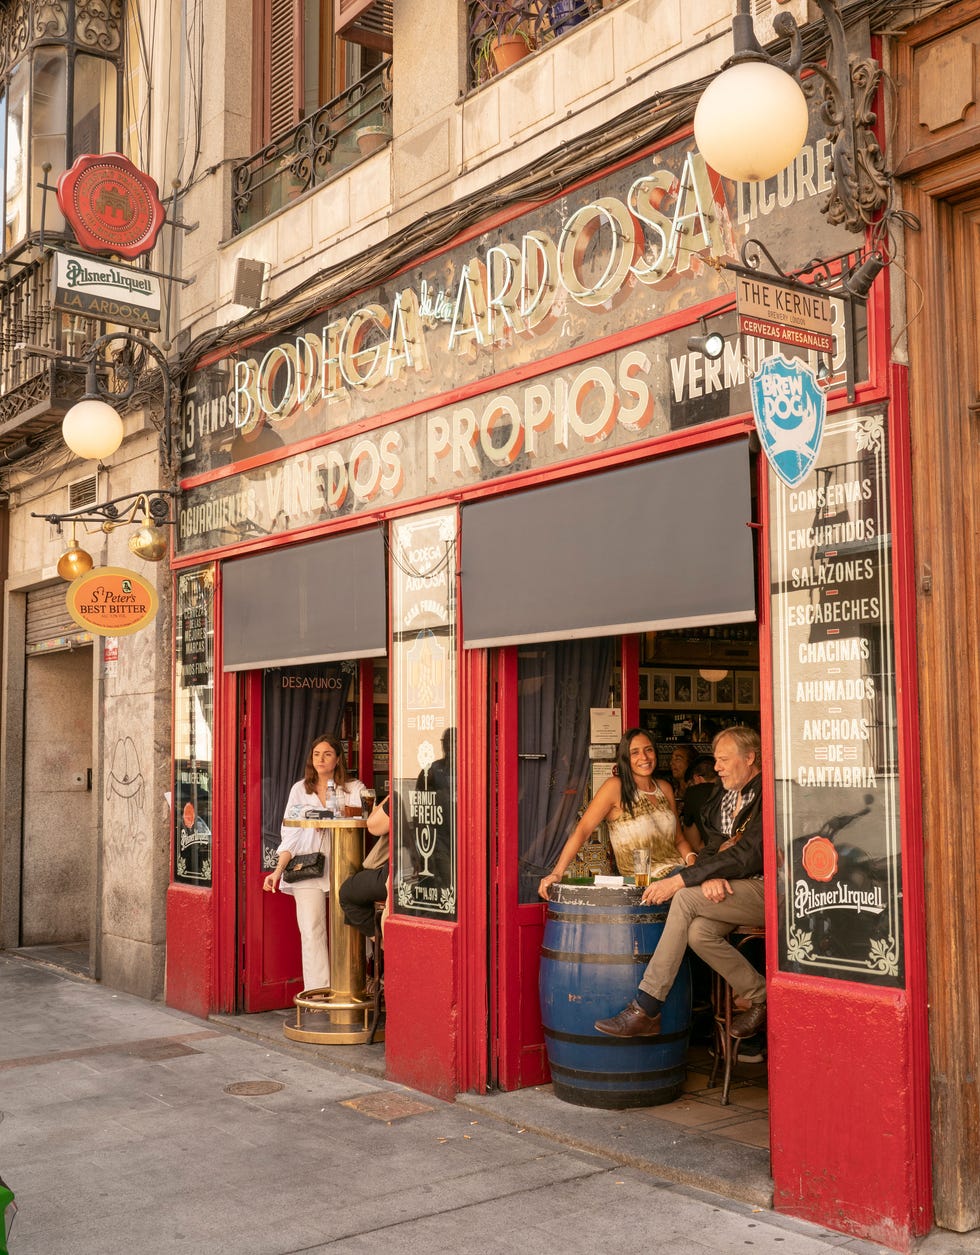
(111, 601)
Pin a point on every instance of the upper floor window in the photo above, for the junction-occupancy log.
(60, 97)
(310, 51)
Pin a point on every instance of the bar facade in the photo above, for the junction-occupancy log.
(556, 491)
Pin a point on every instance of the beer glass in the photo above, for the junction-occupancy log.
(368, 798)
(641, 866)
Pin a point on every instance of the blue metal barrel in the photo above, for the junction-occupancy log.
(597, 941)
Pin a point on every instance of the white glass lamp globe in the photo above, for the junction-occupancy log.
(751, 121)
(92, 429)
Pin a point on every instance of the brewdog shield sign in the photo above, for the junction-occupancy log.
(789, 410)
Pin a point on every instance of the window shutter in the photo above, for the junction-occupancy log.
(367, 22)
(285, 70)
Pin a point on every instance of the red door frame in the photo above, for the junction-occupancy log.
(849, 1063)
(266, 925)
(518, 1051)
(518, 1057)
(267, 932)
(473, 921)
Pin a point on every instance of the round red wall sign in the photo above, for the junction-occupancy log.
(110, 205)
(820, 859)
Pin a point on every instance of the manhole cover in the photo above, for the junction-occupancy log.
(249, 1089)
(384, 1106)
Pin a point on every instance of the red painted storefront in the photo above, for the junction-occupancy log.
(848, 1060)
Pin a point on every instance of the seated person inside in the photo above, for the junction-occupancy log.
(360, 892)
(701, 781)
(721, 890)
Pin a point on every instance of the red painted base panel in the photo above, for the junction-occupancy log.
(190, 950)
(421, 996)
(841, 1109)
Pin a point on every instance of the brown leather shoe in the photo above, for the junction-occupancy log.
(632, 1021)
(748, 1023)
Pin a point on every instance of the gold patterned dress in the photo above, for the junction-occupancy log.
(653, 827)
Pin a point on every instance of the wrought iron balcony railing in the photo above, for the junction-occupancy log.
(37, 384)
(314, 151)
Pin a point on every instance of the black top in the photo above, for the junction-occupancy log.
(744, 858)
(696, 797)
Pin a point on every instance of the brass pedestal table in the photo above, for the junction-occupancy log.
(341, 1011)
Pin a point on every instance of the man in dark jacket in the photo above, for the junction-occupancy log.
(722, 889)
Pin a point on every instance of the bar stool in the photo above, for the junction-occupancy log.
(377, 1011)
(723, 1003)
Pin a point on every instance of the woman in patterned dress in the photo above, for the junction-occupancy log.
(640, 812)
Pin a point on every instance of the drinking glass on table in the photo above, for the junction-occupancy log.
(368, 799)
(641, 866)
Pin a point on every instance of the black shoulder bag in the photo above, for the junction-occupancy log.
(303, 867)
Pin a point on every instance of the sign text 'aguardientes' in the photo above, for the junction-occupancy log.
(613, 255)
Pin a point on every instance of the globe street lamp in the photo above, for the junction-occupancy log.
(751, 121)
(92, 428)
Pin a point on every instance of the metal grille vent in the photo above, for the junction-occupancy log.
(83, 492)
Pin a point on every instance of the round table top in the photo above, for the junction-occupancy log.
(349, 821)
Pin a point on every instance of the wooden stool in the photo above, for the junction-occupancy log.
(378, 997)
(723, 1004)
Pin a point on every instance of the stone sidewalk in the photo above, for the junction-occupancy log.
(130, 1129)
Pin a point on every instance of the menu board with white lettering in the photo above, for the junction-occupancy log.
(836, 765)
(193, 726)
(423, 706)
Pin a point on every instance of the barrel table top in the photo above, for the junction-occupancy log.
(349, 821)
(604, 895)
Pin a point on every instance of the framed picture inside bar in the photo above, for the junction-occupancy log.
(746, 690)
(682, 690)
(659, 689)
(704, 691)
(725, 691)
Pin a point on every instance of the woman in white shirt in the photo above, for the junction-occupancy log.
(325, 778)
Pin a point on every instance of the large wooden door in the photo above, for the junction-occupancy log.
(945, 414)
(938, 153)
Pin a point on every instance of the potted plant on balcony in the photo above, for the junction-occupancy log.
(505, 32)
(372, 138)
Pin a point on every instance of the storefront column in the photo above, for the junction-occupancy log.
(848, 1065)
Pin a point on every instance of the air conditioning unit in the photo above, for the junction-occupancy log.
(83, 493)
